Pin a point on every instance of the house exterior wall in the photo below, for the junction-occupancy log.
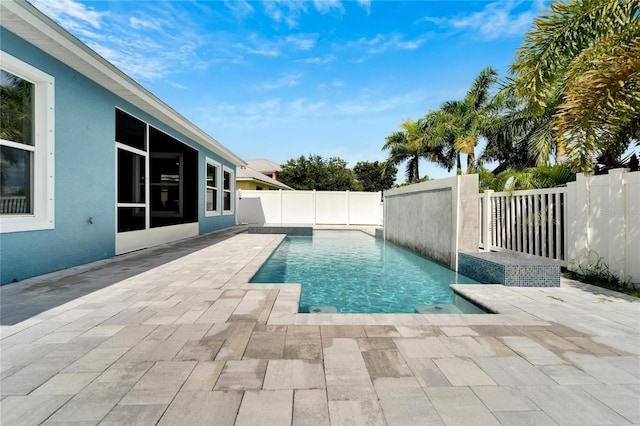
(85, 174)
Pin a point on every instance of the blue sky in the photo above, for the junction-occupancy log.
(280, 79)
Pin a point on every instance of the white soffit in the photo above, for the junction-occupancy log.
(24, 20)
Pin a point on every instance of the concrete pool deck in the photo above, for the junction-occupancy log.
(176, 335)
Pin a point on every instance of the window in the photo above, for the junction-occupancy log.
(157, 177)
(131, 146)
(212, 188)
(166, 185)
(26, 146)
(227, 190)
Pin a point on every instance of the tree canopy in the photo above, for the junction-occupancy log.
(318, 173)
(375, 176)
(582, 58)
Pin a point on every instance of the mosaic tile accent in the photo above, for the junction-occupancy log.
(508, 269)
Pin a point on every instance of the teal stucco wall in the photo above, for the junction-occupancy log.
(85, 180)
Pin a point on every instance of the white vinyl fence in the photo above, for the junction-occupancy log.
(595, 219)
(309, 207)
(530, 222)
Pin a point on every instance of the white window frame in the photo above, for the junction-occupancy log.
(218, 166)
(231, 190)
(43, 216)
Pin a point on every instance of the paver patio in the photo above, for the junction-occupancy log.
(175, 335)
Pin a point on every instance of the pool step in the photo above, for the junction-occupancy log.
(438, 309)
(318, 310)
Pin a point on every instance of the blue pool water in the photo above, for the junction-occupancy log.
(352, 272)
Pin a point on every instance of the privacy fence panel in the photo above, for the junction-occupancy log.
(604, 223)
(310, 207)
(332, 208)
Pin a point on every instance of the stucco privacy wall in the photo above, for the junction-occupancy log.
(84, 174)
(436, 219)
(604, 222)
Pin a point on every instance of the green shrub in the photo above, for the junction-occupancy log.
(598, 273)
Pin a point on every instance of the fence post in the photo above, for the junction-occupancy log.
(616, 222)
(315, 206)
(238, 213)
(280, 194)
(487, 220)
(348, 208)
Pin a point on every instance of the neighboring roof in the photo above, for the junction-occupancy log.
(249, 174)
(264, 166)
(24, 20)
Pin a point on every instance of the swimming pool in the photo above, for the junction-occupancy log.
(352, 272)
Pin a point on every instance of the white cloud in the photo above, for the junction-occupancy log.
(302, 41)
(366, 5)
(225, 114)
(150, 44)
(70, 13)
(262, 52)
(239, 8)
(382, 42)
(325, 6)
(139, 24)
(256, 44)
(287, 80)
(303, 108)
(287, 11)
(319, 60)
(176, 85)
(368, 106)
(496, 20)
(278, 110)
(263, 113)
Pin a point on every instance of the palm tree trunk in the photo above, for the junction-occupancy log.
(471, 161)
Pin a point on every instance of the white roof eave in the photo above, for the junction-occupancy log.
(263, 181)
(29, 23)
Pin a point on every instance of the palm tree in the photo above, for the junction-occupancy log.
(581, 60)
(16, 104)
(459, 124)
(515, 138)
(532, 178)
(410, 145)
(406, 145)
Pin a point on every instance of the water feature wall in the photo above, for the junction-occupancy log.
(437, 219)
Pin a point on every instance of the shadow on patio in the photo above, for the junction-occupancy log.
(23, 300)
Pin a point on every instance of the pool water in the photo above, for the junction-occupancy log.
(352, 272)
